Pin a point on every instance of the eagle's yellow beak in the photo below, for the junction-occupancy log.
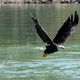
(45, 54)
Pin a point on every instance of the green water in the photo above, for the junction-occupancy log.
(21, 49)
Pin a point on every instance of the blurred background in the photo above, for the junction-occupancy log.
(21, 49)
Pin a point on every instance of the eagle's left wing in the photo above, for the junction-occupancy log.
(67, 28)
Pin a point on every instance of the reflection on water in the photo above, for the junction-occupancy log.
(21, 49)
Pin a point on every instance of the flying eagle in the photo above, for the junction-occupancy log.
(67, 28)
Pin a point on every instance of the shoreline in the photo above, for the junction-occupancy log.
(38, 2)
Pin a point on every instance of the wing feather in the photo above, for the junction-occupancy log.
(41, 32)
(66, 29)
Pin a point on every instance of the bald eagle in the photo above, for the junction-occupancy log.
(67, 28)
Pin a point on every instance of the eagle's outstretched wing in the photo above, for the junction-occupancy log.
(67, 28)
(42, 33)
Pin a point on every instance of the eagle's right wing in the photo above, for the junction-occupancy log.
(42, 33)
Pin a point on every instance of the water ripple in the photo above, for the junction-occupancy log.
(60, 66)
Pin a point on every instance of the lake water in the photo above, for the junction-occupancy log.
(21, 49)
